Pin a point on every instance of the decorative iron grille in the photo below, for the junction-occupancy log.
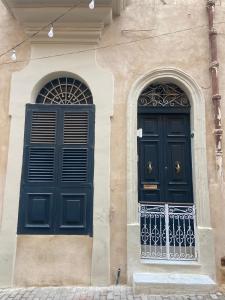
(168, 232)
(163, 95)
(65, 90)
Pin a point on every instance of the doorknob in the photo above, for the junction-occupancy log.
(149, 167)
(177, 167)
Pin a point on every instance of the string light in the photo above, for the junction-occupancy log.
(51, 32)
(92, 4)
(13, 56)
(111, 45)
(75, 6)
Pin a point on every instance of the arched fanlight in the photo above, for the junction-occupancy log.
(65, 90)
(163, 95)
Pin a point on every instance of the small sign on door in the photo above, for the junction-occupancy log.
(150, 187)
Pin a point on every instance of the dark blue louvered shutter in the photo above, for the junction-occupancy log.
(76, 165)
(57, 178)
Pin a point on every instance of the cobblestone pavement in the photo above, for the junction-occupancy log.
(93, 293)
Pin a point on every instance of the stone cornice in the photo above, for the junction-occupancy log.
(80, 25)
(88, 33)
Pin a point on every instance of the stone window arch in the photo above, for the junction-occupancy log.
(58, 161)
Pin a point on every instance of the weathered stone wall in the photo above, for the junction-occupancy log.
(148, 35)
(57, 260)
(11, 34)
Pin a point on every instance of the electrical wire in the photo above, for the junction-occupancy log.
(92, 49)
(109, 45)
(50, 24)
(42, 28)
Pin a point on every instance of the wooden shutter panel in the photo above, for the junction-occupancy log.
(75, 129)
(57, 177)
(41, 164)
(43, 127)
(74, 167)
(37, 196)
(76, 161)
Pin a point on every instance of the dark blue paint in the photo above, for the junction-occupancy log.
(50, 201)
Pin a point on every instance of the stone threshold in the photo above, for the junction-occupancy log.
(172, 283)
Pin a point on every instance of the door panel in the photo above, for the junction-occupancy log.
(175, 125)
(151, 125)
(151, 169)
(37, 209)
(72, 211)
(164, 158)
(149, 149)
(150, 172)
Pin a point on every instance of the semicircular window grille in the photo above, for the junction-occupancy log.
(163, 95)
(65, 90)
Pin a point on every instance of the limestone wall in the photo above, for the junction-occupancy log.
(10, 34)
(151, 35)
(148, 35)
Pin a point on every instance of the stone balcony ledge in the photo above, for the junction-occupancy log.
(80, 24)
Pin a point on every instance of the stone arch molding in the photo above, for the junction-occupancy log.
(25, 85)
(205, 240)
(198, 145)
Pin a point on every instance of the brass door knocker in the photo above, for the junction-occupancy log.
(178, 167)
(149, 167)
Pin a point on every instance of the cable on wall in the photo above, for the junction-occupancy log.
(50, 25)
(111, 45)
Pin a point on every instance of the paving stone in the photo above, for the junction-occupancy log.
(110, 296)
(144, 297)
(158, 297)
(94, 293)
(214, 296)
(152, 297)
(178, 297)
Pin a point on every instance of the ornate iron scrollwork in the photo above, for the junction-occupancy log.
(163, 95)
(168, 232)
(65, 90)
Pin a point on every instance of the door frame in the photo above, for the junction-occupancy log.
(204, 232)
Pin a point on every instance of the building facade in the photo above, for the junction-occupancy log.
(110, 167)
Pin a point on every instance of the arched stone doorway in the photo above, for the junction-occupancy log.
(165, 195)
(204, 235)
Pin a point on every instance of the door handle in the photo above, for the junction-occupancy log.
(149, 167)
(177, 167)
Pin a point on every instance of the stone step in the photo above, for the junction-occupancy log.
(172, 283)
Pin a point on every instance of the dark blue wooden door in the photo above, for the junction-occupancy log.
(58, 166)
(164, 158)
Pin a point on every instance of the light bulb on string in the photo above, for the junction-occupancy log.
(51, 32)
(13, 56)
(92, 4)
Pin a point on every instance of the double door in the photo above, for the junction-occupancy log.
(164, 159)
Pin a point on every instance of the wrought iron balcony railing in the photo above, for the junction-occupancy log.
(168, 232)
